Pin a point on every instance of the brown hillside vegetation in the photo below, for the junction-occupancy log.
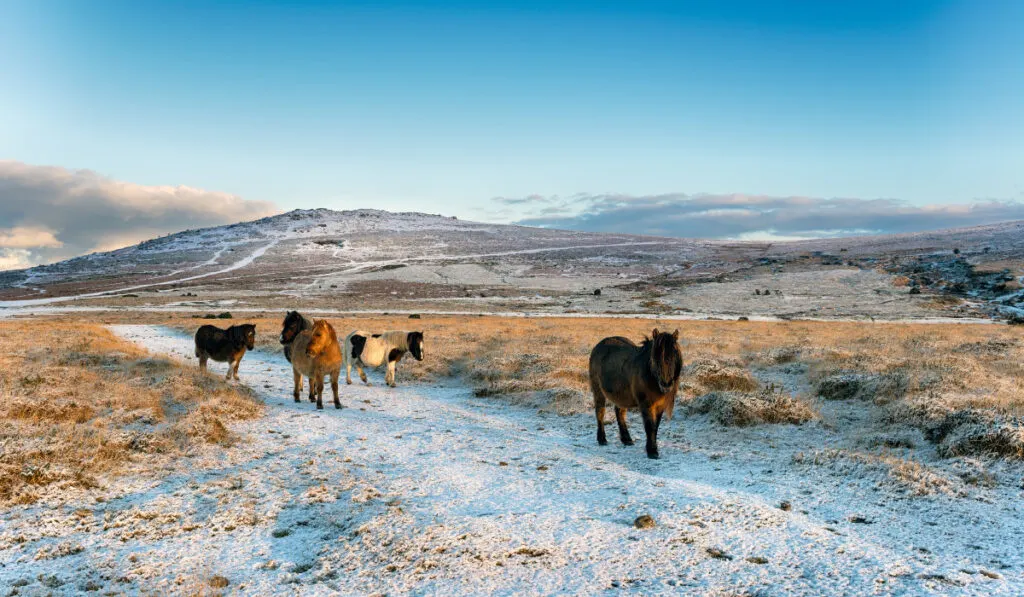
(78, 405)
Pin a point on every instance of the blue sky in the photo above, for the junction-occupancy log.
(443, 106)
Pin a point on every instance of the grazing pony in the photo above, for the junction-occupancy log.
(315, 353)
(294, 322)
(373, 350)
(630, 376)
(224, 345)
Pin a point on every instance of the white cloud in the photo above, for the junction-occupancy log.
(752, 217)
(50, 213)
(28, 237)
(15, 259)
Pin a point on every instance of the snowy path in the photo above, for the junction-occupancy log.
(424, 489)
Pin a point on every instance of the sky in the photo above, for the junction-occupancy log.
(523, 111)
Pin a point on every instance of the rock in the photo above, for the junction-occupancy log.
(597, 292)
(218, 582)
(644, 521)
(785, 506)
(915, 290)
(742, 318)
(718, 554)
(414, 316)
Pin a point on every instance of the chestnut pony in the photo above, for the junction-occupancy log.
(315, 354)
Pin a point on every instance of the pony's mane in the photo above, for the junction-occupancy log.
(323, 323)
(397, 338)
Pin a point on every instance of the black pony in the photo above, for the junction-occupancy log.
(225, 345)
(294, 322)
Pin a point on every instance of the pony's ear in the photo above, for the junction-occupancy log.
(675, 334)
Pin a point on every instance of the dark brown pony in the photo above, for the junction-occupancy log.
(630, 376)
(224, 345)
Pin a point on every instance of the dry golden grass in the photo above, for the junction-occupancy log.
(919, 374)
(78, 403)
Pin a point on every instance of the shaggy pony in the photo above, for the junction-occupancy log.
(645, 377)
(294, 322)
(224, 345)
(316, 353)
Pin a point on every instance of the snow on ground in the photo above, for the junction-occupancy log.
(424, 489)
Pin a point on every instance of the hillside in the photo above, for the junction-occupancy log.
(376, 260)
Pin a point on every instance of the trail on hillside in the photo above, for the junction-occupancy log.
(425, 489)
(243, 262)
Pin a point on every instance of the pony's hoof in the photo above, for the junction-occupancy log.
(348, 381)
(602, 441)
(653, 455)
(628, 442)
(319, 406)
(338, 406)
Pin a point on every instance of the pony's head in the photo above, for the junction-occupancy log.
(415, 341)
(322, 336)
(291, 327)
(666, 359)
(244, 334)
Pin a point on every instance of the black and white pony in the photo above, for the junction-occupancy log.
(363, 349)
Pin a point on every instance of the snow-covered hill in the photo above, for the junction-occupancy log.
(371, 259)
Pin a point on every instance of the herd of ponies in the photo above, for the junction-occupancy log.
(641, 376)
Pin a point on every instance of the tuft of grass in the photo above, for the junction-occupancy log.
(753, 408)
(906, 474)
(712, 375)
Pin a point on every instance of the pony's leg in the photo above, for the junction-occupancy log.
(362, 374)
(348, 372)
(237, 363)
(231, 367)
(320, 393)
(202, 362)
(599, 401)
(312, 388)
(390, 377)
(334, 387)
(651, 421)
(297, 387)
(620, 418)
